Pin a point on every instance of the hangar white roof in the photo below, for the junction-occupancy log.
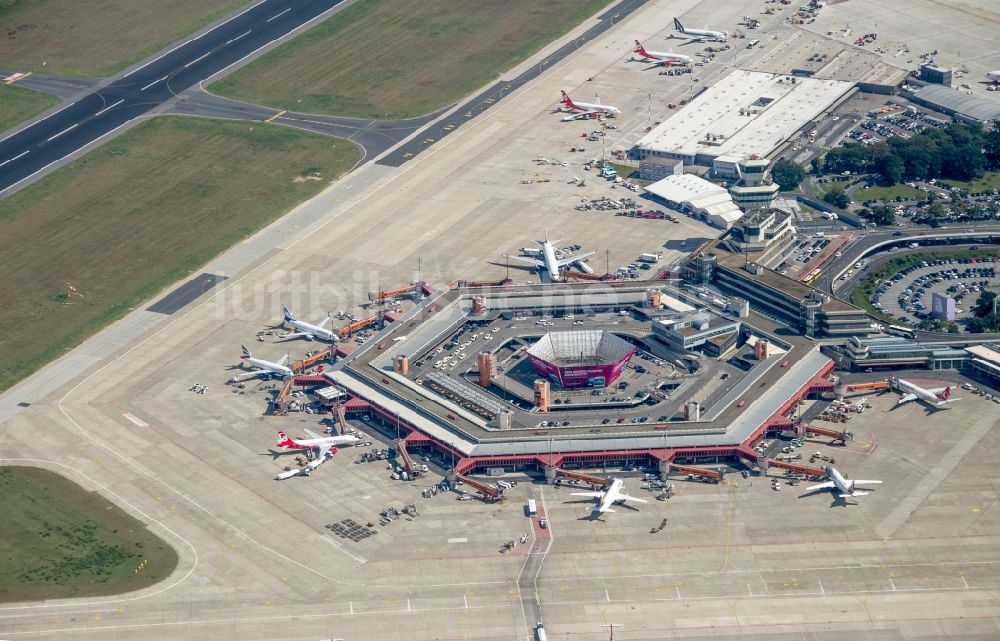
(746, 112)
(699, 194)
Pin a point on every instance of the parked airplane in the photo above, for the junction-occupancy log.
(840, 484)
(934, 397)
(611, 496)
(667, 59)
(324, 444)
(588, 108)
(548, 261)
(699, 35)
(307, 330)
(264, 368)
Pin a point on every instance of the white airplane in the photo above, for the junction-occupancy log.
(838, 483)
(609, 497)
(325, 445)
(700, 35)
(264, 368)
(548, 261)
(935, 397)
(667, 59)
(587, 108)
(307, 330)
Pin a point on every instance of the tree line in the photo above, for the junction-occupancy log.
(957, 152)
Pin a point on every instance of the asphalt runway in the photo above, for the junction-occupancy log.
(140, 91)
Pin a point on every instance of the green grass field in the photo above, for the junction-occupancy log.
(18, 105)
(888, 193)
(57, 540)
(398, 59)
(100, 37)
(989, 182)
(137, 214)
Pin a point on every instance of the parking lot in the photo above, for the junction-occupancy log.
(906, 297)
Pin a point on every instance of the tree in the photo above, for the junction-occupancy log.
(890, 169)
(883, 215)
(836, 197)
(991, 146)
(984, 304)
(787, 174)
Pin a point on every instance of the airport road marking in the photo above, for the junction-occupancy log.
(112, 106)
(167, 53)
(607, 595)
(198, 59)
(461, 539)
(136, 420)
(23, 153)
(71, 127)
(153, 83)
(350, 605)
(964, 582)
(21, 77)
(821, 589)
(466, 598)
(278, 15)
(242, 35)
(277, 115)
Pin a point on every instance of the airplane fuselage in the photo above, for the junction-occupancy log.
(611, 495)
(275, 368)
(549, 258)
(316, 443)
(314, 330)
(922, 394)
(661, 56)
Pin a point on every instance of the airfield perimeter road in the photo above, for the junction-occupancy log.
(915, 560)
(142, 90)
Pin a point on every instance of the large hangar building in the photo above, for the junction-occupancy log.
(746, 113)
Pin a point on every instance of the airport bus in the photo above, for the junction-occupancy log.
(896, 330)
(812, 277)
(752, 44)
(532, 507)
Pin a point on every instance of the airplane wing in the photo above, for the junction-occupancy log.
(847, 496)
(593, 495)
(948, 400)
(937, 390)
(325, 321)
(823, 486)
(573, 259)
(294, 335)
(857, 482)
(525, 259)
(320, 457)
(906, 398)
(311, 433)
(283, 359)
(631, 498)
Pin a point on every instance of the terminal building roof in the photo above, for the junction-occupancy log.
(744, 113)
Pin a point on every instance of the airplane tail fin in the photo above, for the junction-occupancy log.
(639, 48)
(678, 25)
(945, 394)
(566, 100)
(284, 441)
(288, 314)
(246, 353)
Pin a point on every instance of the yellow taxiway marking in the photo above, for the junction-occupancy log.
(277, 115)
(13, 80)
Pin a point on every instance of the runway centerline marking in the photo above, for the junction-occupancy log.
(112, 106)
(153, 83)
(248, 32)
(71, 127)
(278, 15)
(23, 153)
(198, 59)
